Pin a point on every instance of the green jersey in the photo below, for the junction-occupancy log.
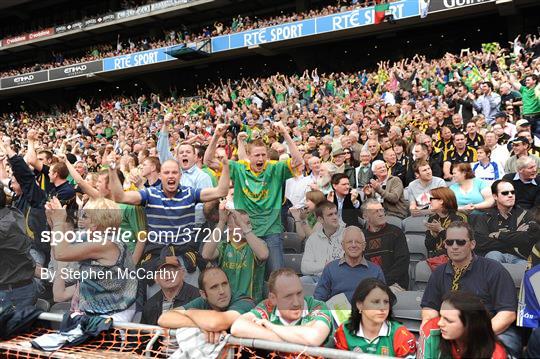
(109, 132)
(132, 222)
(531, 103)
(394, 340)
(241, 305)
(212, 174)
(261, 194)
(280, 97)
(244, 271)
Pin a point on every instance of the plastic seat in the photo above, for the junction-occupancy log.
(61, 307)
(414, 225)
(408, 305)
(292, 243)
(43, 305)
(396, 221)
(516, 271)
(309, 289)
(422, 274)
(293, 261)
(417, 247)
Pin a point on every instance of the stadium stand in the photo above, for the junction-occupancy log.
(216, 243)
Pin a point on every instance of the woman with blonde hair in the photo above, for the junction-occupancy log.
(103, 258)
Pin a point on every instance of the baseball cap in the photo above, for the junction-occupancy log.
(521, 139)
(501, 115)
(522, 123)
(169, 260)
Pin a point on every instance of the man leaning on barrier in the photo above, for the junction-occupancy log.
(214, 312)
(287, 315)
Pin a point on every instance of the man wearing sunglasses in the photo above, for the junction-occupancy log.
(483, 277)
(503, 232)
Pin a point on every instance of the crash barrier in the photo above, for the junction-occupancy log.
(133, 340)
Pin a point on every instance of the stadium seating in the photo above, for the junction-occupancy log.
(417, 247)
(422, 274)
(414, 225)
(293, 261)
(396, 221)
(43, 305)
(309, 289)
(516, 271)
(407, 309)
(292, 243)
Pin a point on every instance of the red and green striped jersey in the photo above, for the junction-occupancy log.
(394, 340)
(313, 310)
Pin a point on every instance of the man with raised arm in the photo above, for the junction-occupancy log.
(170, 212)
(258, 188)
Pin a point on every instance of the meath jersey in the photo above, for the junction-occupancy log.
(394, 340)
(261, 194)
(313, 310)
(244, 271)
(529, 297)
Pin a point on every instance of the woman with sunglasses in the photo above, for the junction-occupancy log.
(463, 330)
(443, 204)
(371, 328)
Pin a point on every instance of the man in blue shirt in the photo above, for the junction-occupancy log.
(343, 275)
(186, 155)
(170, 212)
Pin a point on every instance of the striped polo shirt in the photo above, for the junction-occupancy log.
(170, 220)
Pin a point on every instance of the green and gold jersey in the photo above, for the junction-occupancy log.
(244, 271)
(261, 194)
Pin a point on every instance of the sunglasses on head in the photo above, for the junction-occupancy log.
(506, 193)
(459, 242)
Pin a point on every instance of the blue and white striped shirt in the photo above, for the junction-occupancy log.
(170, 220)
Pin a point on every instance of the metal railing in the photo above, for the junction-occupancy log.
(232, 342)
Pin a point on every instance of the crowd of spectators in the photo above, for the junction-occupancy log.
(335, 157)
(180, 36)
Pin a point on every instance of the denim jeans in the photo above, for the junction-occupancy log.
(533, 347)
(505, 258)
(511, 339)
(19, 297)
(275, 257)
(310, 279)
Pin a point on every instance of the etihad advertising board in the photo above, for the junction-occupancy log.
(76, 70)
(26, 79)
